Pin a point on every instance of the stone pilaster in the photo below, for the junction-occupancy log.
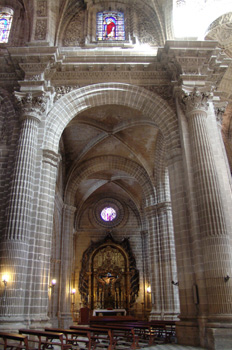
(214, 232)
(19, 209)
(165, 299)
(65, 316)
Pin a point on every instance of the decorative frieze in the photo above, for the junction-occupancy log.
(41, 10)
(74, 33)
(41, 29)
(63, 90)
(219, 111)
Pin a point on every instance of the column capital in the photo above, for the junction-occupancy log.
(69, 208)
(196, 101)
(31, 105)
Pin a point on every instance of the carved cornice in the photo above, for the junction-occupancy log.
(135, 77)
(196, 100)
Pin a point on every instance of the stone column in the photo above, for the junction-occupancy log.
(187, 329)
(165, 299)
(39, 269)
(214, 235)
(65, 316)
(15, 242)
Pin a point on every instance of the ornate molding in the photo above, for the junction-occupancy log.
(63, 90)
(41, 29)
(219, 112)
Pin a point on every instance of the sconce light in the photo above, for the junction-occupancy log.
(73, 291)
(53, 283)
(5, 279)
(149, 289)
(175, 283)
(226, 279)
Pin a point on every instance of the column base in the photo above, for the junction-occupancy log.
(219, 338)
(7, 324)
(187, 333)
(65, 320)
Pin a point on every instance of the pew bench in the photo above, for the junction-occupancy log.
(14, 341)
(43, 340)
(74, 336)
(122, 332)
(100, 337)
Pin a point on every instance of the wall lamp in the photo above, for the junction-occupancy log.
(5, 279)
(226, 279)
(175, 283)
(149, 289)
(53, 283)
(73, 291)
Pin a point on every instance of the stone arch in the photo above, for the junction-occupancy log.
(150, 104)
(109, 162)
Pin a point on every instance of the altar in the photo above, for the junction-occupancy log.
(107, 312)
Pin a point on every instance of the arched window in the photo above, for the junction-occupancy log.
(6, 16)
(110, 26)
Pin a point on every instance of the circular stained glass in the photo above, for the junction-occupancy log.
(108, 214)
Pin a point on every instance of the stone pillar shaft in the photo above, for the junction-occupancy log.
(65, 317)
(165, 298)
(215, 238)
(18, 220)
(39, 270)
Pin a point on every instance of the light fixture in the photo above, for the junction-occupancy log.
(53, 283)
(5, 279)
(226, 279)
(149, 289)
(73, 291)
(175, 283)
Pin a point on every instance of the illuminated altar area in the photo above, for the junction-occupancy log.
(109, 280)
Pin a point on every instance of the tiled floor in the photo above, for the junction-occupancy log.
(171, 347)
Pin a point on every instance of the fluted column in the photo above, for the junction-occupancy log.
(65, 316)
(15, 243)
(165, 299)
(214, 233)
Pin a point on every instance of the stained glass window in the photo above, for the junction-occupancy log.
(5, 25)
(108, 214)
(110, 26)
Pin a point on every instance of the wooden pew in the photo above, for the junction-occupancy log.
(164, 329)
(125, 331)
(74, 336)
(44, 339)
(100, 337)
(14, 341)
(107, 319)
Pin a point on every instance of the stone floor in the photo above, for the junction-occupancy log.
(171, 347)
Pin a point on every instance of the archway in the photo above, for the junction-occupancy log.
(115, 141)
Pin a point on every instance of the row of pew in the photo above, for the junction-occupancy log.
(100, 333)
